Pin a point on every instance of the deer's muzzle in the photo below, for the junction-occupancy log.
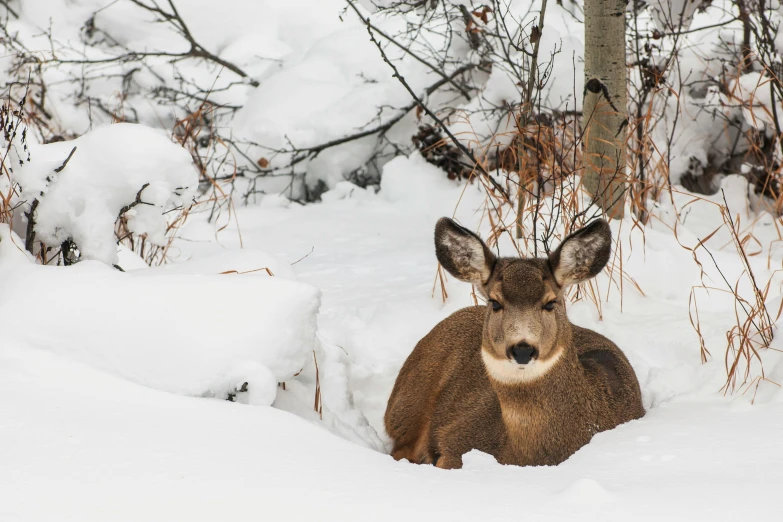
(522, 353)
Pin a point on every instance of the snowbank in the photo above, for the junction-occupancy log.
(163, 330)
(95, 361)
(80, 445)
(414, 182)
(752, 91)
(320, 78)
(372, 255)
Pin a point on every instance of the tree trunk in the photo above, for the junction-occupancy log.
(604, 119)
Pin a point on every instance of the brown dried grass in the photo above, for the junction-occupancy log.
(541, 167)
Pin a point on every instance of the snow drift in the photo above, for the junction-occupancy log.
(163, 330)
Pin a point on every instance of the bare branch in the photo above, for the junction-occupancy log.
(396, 74)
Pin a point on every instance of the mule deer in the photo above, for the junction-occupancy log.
(515, 378)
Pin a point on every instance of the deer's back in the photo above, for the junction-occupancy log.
(612, 381)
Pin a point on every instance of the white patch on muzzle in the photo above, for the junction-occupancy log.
(506, 371)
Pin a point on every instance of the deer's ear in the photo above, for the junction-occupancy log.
(583, 254)
(462, 253)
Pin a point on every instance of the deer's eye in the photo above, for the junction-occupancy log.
(550, 305)
(495, 305)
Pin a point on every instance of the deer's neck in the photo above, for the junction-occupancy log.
(538, 388)
(535, 411)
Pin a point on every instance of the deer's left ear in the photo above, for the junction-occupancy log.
(583, 254)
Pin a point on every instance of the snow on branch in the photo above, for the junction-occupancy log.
(119, 170)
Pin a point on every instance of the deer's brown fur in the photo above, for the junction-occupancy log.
(462, 387)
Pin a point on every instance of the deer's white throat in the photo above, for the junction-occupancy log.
(507, 371)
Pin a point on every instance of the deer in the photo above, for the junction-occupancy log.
(512, 378)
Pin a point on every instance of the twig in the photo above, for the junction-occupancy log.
(4, 3)
(396, 74)
(389, 124)
(61, 167)
(196, 49)
(304, 256)
(30, 232)
(138, 201)
(410, 53)
(30, 235)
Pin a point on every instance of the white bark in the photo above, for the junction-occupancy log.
(604, 119)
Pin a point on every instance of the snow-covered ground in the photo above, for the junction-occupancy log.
(113, 385)
(85, 441)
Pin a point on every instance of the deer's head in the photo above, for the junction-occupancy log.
(526, 329)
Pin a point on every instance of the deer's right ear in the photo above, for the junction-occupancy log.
(462, 253)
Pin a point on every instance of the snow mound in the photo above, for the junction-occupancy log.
(162, 330)
(752, 90)
(669, 15)
(413, 180)
(109, 168)
(475, 460)
(587, 492)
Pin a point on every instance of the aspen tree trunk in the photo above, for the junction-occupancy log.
(604, 119)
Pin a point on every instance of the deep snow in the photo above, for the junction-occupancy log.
(81, 444)
(111, 384)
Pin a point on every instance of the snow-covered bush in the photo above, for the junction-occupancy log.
(318, 104)
(80, 188)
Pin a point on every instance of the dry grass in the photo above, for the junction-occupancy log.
(753, 331)
(195, 133)
(318, 406)
(541, 171)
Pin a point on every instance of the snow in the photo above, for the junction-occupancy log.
(109, 168)
(669, 15)
(113, 384)
(753, 92)
(141, 325)
(100, 447)
(110, 392)
(340, 100)
(479, 123)
(413, 181)
(320, 77)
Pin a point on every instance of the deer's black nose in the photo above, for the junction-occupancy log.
(522, 353)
